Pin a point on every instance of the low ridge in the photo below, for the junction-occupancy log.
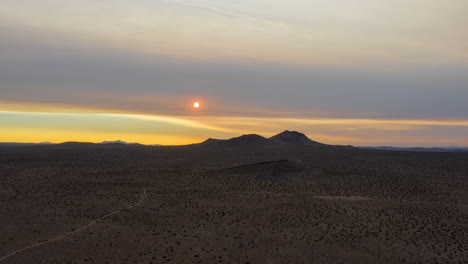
(244, 140)
(294, 138)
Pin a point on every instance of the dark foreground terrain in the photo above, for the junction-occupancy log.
(77, 203)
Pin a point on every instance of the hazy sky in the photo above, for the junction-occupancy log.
(360, 72)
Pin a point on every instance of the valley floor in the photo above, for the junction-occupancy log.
(272, 204)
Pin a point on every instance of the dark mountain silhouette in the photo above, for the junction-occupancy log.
(17, 144)
(119, 142)
(420, 149)
(115, 142)
(74, 144)
(244, 140)
(294, 138)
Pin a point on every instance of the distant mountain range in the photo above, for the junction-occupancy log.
(16, 144)
(69, 143)
(283, 138)
(442, 149)
(118, 142)
(287, 137)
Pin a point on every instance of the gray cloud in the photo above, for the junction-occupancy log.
(56, 70)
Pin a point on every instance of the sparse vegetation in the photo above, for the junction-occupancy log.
(290, 204)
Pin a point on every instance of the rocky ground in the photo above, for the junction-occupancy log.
(77, 203)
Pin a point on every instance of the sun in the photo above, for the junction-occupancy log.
(196, 104)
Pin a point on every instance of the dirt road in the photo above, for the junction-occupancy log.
(60, 237)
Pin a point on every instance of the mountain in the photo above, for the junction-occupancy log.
(244, 140)
(421, 149)
(114, 142)
(119, 142)
(15, 144)
(294, 138)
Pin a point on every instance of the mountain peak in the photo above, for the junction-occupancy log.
(293, 138)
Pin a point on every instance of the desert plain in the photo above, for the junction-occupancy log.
(231, 203)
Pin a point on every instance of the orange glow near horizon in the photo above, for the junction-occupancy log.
(73, 124)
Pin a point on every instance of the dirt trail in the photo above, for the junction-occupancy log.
(60, 237)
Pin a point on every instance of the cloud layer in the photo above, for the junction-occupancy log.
(354, 60)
